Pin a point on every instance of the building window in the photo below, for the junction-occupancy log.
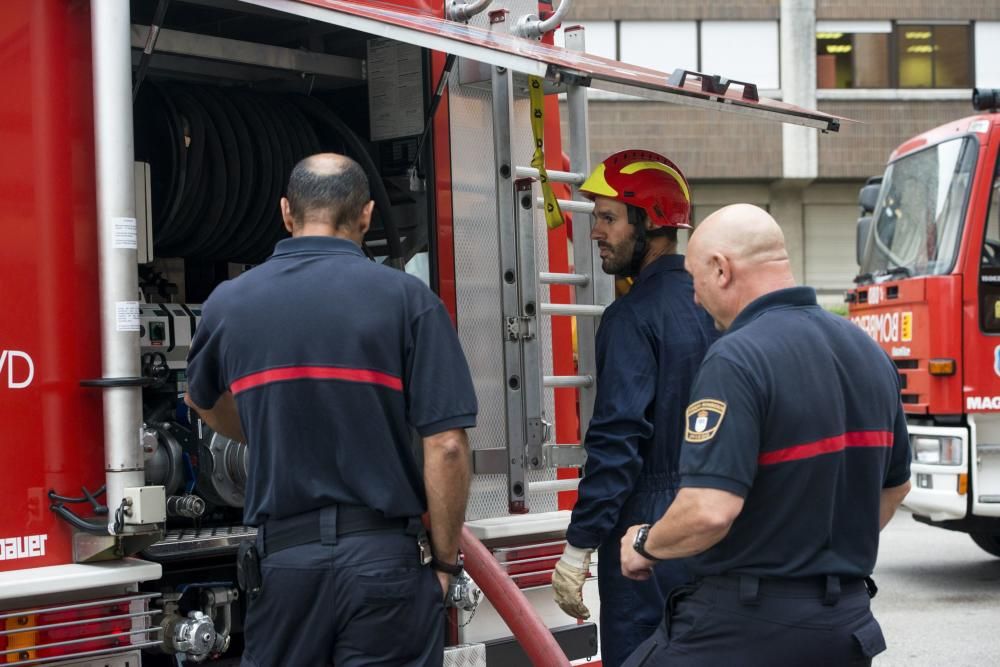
(880, 54)
(988, 54)
(852, 54)
(660, 45)
(741, 50)
(737, 50)
(933, 56)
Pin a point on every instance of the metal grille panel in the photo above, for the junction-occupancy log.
(465, 655)
(478, 276)
(192, 542)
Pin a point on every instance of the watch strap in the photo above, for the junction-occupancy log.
(454, 569)
(640, 543)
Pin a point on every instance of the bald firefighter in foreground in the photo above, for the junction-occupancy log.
(795, 456)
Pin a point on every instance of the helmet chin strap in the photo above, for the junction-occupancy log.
(637, 219)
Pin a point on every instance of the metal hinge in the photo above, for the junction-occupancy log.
(536, 433)
(564, 456)
(518, 328)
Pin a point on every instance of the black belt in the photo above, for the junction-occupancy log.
(326, 524)
(829, 588)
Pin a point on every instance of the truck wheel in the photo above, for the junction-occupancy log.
(987, 542)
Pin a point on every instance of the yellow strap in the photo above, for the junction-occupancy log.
(553, 215)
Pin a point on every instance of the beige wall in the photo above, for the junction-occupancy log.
(666, 10)
(704, 144)
(908, 9)
(861, 149)
(715, 145)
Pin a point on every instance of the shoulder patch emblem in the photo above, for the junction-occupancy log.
(703, 419)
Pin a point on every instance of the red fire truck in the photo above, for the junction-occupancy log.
(146, 146)
(929, 293)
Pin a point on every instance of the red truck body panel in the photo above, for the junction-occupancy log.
(50, 427)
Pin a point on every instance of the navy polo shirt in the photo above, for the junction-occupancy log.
(797, 411)
(649, 345)
(333, 360)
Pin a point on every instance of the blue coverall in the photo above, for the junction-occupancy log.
(649, 346)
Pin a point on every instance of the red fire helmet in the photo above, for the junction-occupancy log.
(646, 180)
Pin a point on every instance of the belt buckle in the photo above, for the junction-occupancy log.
(424, 544)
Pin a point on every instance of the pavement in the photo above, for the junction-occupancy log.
(938, 600)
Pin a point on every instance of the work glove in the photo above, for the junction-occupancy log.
(570, 574)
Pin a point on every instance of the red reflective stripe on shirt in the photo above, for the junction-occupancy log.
(315, 373)
(827, 446)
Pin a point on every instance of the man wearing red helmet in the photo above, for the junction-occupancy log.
(649, 345)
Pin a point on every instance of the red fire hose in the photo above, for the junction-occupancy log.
(522, 619)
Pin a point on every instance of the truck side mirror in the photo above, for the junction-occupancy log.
(861, 240)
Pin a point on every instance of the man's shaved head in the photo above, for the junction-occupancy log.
(736, 255)
(744, 232)
(329, 188)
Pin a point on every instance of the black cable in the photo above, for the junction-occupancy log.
(220, 158)
(159, 140)
(449, 63)
(268, 190)
(226, 172)
(216, 177)
(97, 528)
(169, 238)
(147, 52)
(87, 496)
(276, 230)
(97, 507)
(224, 244)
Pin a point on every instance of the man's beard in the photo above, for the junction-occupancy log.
(619, 260)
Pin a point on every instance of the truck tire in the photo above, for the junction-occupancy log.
(987, 542)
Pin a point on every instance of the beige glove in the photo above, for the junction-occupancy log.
(571, 572)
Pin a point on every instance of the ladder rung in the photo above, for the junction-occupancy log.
(568, 381)
(572, 309)
(570, 177)
(554, 485)
(569, 205)
(563, 278)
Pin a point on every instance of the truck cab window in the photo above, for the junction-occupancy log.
(989, 272)
(917, 224)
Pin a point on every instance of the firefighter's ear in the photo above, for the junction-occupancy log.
(722, 269)
(286, 214)
(366, 218)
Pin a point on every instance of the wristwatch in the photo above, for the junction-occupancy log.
(640, 542)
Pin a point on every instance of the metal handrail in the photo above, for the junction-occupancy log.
(83, 640)
(554, 176)
(531, 27)
(547, 278)
(581, 309)
(569, 205)
(463, 11)
(87, 654)
(82, 621)
(568, 381)
(81, 605)
(554, 485)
